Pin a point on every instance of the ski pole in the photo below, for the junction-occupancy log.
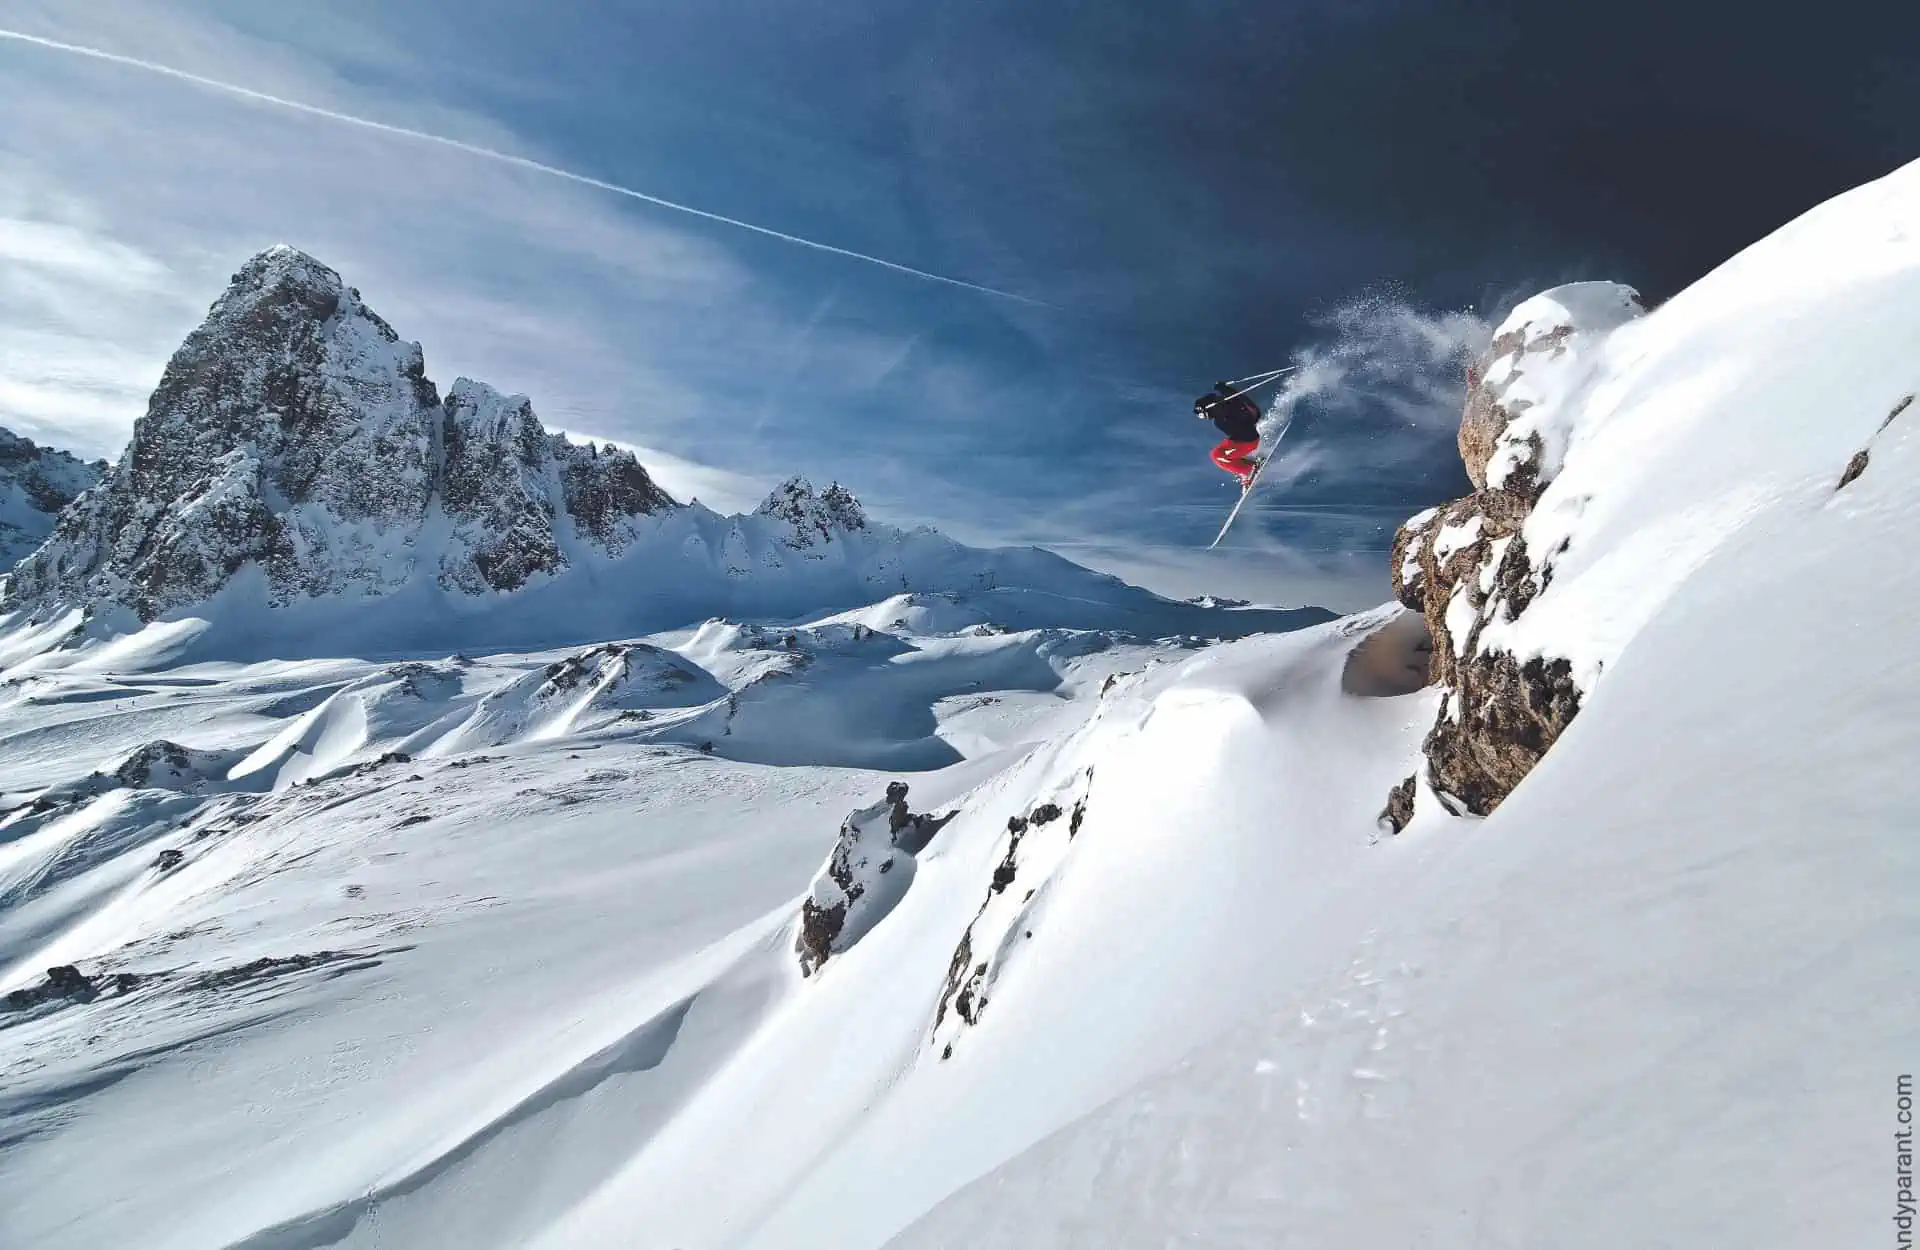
(1275, 376)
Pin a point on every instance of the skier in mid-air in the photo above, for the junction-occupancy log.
(1237, 417)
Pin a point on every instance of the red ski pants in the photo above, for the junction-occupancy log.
(1235, 456)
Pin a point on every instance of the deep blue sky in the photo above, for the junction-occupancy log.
(1195, 190)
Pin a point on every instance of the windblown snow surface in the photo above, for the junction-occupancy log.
(499, 951)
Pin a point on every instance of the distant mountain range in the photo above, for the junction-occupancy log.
(35, 484)
(299, 485)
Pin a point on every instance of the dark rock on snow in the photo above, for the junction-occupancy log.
(849, 895)
(66, 983)
(1862, 458)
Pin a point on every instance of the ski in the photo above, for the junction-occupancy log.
(1245, 491)
(1270, 445)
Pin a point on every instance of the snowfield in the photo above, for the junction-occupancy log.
(500, 948)
(447, 917)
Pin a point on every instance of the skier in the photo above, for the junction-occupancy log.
(1237, 417)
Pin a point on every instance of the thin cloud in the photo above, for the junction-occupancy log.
(617, 325)
(493, 154)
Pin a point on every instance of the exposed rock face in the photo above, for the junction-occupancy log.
(35, 484)
(496, 490)
(1468, 569)
(288, 426)
(602, 488)
(295, 432)
(1036, 847)
(814, 517)
(500, 472)
(864, 877)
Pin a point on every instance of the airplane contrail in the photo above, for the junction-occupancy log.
(492, 154)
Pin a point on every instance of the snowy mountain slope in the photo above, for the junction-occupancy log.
(326, 853)
(467, 952)
(1659, 997)
(35, 484)
(679, 567)
(449, 857)
(1662, 998)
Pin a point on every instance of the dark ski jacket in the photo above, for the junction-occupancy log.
(1237, 418)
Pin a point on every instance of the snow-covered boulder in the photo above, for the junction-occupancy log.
(35, 484)
(865, 876)
(295, 432)
(1521, 405)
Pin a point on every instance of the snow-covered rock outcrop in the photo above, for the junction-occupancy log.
(1037, 842)
(867, 873)
(1468, 566)
(157, 765)
(296, 432)
(35, 484)
(1525, 392)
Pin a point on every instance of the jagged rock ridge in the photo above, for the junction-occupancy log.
(814, 517)
(1467, 567)
(294, 431)
(35, 484)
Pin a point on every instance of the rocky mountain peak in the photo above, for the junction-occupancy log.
(815, 516)
(296, 432)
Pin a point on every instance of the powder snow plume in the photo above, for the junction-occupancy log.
(1384, 362)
